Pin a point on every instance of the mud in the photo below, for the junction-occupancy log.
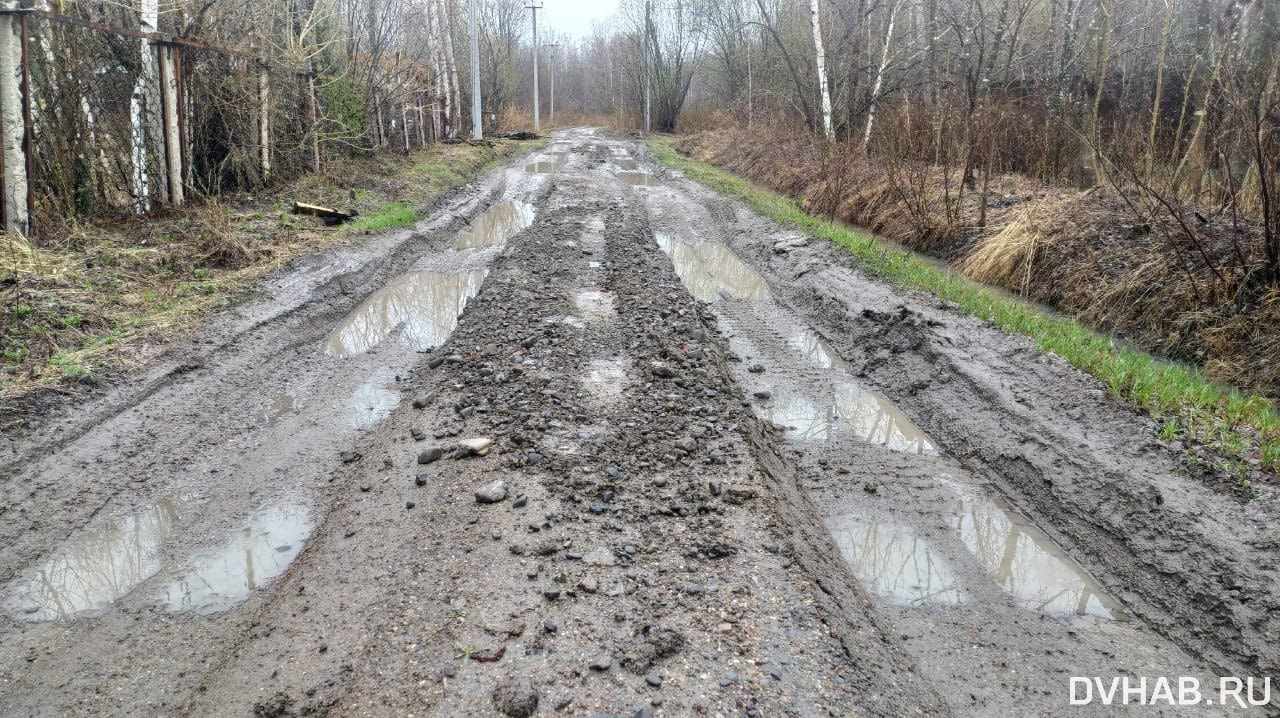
(716, 478)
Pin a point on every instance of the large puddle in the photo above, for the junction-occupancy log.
(892, 561)
(425, 304)
(637, 179)
(248, 560)
(1026, 563)
(710, 270)
(865, 414)
(497, 224)
(809, 345)
(97, 567)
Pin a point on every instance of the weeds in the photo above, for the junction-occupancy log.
(396, 215)
(1243, 427)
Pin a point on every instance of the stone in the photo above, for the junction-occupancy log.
(433, 454)
(492, 493)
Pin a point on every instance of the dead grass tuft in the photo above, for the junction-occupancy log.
(1008, 257)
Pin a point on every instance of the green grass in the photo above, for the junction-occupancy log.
(1238, 425)
(395, 215)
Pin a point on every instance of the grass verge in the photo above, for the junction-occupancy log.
(1242, 428)
(106, 296)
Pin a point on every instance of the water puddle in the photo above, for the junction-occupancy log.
(98, 567)
(249, 560)
(279, 406)
(543, 167)
(496, 225)
(1026, 563)
(625, 163)
(594, 303)
(809, 345)
(605, 380)
(637, 179)
(370, 403)
(805, 420)
(876, 420)
(892, 561)
(710, 270)
(426, 304)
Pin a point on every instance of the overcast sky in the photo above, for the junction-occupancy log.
(575, 17)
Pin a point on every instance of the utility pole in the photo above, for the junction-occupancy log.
(477, 123)
(648, 70)
(551, 117)
(536, 111)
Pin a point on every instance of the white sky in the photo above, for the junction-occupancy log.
(575, 17)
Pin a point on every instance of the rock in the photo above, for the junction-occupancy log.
(589, 584)
(763, 395)
(423, 402)
(756, 368)
(492, 493)
(653, 679)
(365, 487)
(433, 454)
(516, 697)
(478, 446)
(550, 626)
(602, 662)
(687, 444)
(409, 504)
(421, 479)
(520, 502)
(348, 457)
(435, 362)
(418, 434)
(563, 702)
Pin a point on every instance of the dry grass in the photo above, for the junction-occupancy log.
(98, 298)
(1007, 258)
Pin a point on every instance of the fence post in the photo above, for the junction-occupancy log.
(315, 120)
(14, 113)
(170, 104)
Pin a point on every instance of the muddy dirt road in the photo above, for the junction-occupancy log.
(592, 440)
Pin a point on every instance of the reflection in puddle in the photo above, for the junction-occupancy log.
(710, 269)
(248, 561)
(594, 303)
(875, 420)
(1026, 563)
(892, 561)
(372, 402)
(808, 343)
(98, 567)
(805, 420)
(426, 303)
(279, 406)
(497, 224)
(637, 179)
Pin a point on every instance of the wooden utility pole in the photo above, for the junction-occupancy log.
(551, 117)
(477, 121)
(537, 127)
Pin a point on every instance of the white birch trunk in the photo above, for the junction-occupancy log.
(143, 107)
(15, 169)
(820, 56)
(879, 81)
(452, 64)
(264, 120)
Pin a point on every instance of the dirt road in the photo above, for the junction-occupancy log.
(594, 440)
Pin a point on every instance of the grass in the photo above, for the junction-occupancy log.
(1244, 428)
(100, 298)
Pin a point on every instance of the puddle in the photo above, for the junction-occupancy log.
(281, 405)
(605, 380)
(892, 561)
(810, 345)
(804, 420)
(710, 270)
(246, 562)
(876, 420)
(496, 225)
(594, 303)
(1026, 563)
(97, 567)
(372, 402)
(637, 179)
(625, 163)
(542, 168)
(426, 304)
